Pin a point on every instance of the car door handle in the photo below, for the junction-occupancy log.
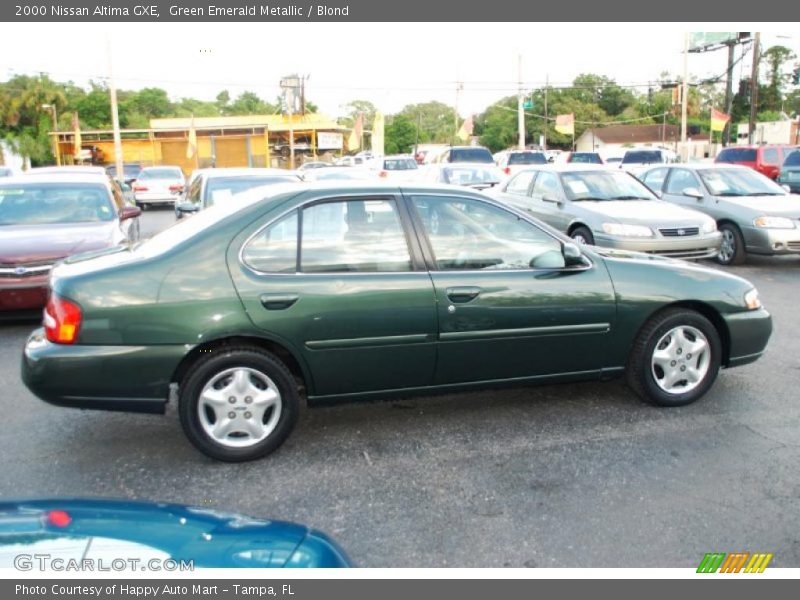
(462, 294)
(278, 301)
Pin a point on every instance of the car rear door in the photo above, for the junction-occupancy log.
(353, 297)
(507, 306)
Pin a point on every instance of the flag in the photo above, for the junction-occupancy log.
(76, 141)
(565, 124)
(718, 120)
(377, 134)
(466, 129)
(191, 147)
(354, 141)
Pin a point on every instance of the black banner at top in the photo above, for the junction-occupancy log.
(710, 11)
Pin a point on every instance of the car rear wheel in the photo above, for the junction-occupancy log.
(582, 235)
(732, 251)
(238, 404)
(675, 358)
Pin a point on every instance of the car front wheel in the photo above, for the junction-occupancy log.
(675, 358)
(582, 235)
(238, 404)
(732, 251)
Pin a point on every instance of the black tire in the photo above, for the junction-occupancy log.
(582, 235)
(737, 255)
(640, 370)
(210, 366)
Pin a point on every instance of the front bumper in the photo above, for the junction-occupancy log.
(694, 247)
(23, 293)
(749, 333)
(771, 241)
(123, 378)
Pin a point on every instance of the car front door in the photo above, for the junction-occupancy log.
(341, 282)
(507, 305)
(548, 201)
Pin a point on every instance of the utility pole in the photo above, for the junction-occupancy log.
(751, 130)
(685, 97)
(520, 111)
(112, 90)
(726, 133)
(546, 119)
(459, 87)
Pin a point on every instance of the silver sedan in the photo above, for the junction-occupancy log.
(607, 207)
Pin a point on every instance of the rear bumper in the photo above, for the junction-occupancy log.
(698, 246)
(119, 378)
(155, 197)
(749, 333)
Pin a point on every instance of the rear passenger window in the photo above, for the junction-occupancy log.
(521, 183)
(353, 236)
(771, 156)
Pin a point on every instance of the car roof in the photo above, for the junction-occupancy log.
(57, 178)
(244, 172)
(706, 165)
(80, 169)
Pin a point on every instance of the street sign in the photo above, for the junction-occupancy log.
(527, 105)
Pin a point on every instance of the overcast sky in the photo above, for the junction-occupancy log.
(389, 64)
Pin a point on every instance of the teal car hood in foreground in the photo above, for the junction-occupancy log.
(108, 530)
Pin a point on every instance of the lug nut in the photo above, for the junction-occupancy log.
(688, 356)
(248, 400)
(683, 367)
(673, 363)
(232, 399)
(247, 415)
(680, 351)
(231, 415)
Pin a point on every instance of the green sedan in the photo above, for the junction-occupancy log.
(348, 291)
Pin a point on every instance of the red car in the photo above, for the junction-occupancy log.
(766, 159)
(45, 218)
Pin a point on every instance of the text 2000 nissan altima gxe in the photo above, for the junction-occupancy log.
(364, 290)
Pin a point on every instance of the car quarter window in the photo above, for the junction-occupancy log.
(353, 236)
(679, 180)
(274, 248)
(655, 179)
(546, 186)
(469, 234)
(520, 183)
(771, 156)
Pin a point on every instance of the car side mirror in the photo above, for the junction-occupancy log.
(693, 192)
(187, 208)
(551, 199)
(129, 212)
(572, 254)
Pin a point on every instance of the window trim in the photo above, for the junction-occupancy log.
(430, 256)
(415, 251)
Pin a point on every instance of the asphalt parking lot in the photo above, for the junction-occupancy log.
(578, 475)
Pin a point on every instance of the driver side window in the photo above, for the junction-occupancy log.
(679, 180)
(468, 234)
(546, 186)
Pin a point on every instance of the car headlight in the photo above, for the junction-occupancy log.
(773, 223)
(624, 230)
(751, 300)
(709, 226)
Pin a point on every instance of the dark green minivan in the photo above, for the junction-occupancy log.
(346, 291)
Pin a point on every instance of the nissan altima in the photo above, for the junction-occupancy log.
(354, 290)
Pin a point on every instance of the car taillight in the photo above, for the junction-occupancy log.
(176, 188)
(62, 320)
(383, 174)
(58, 518)
(139, 188)
(507, 170)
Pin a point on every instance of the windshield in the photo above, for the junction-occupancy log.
(479, 155)
(51, 203)
(222, 188)
(737, 155)
(333, 174)
(739, 182)
(793, 160)
(527, 158)
(471, 175)
(399, 164)
(604, 185)
(643, 156)
(127, 170)
(161, 173)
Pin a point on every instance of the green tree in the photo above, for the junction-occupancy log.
(776, 59)
(355, 107)
(435, 118)
(249, 103)
(400, 135)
